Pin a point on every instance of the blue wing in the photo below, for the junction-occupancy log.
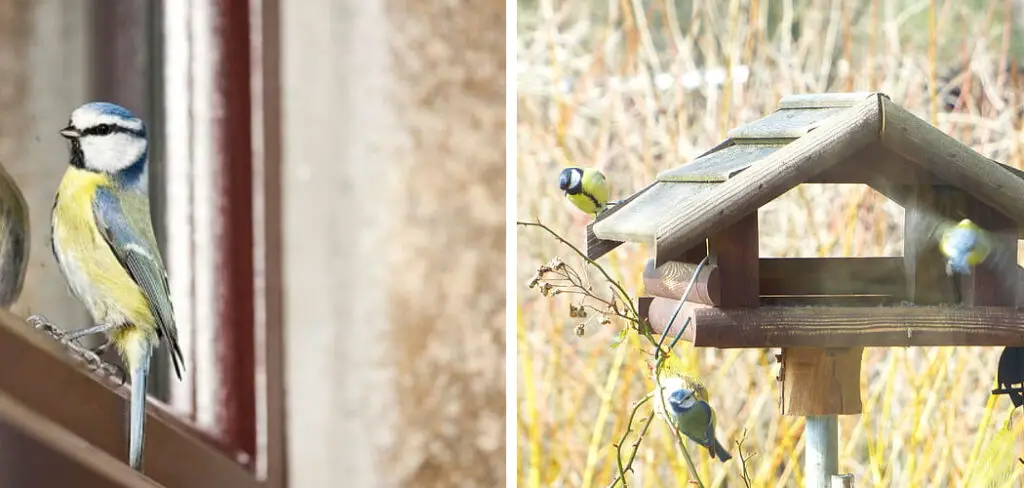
(130, 237)
(703, 411)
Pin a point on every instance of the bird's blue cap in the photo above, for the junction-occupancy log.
(111, 109)
(676, 398)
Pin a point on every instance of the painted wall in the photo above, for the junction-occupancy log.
(394, 237)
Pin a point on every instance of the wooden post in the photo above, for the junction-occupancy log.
(821, 381)
(821, 384)
(927, 281)
(734, 252)
(821, 455)
(988, 284)
(671, 279)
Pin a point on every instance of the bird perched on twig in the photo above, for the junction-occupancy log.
(586, 188)
(682, 401)
(102, 237)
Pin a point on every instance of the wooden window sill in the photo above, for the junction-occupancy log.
(51, 399)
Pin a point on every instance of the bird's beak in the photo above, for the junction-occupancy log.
(70, 132)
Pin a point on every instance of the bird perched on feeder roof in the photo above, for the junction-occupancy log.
(682, 401)
(586, 188)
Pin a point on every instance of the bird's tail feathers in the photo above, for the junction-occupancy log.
(137, 407)
(719, 451)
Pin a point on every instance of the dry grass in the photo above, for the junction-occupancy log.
(599, 86)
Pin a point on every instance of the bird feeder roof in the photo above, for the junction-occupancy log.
(838, 137)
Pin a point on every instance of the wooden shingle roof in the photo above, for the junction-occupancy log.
(806, 136)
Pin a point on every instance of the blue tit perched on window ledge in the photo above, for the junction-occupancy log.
(586, 188)
(14, 240)
(682, 401)
(102, 237)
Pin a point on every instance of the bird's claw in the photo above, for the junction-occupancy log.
(102, 348)
(91, 357)
(39, 322)
(96, 364)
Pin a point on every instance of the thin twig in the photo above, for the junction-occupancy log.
(679, 307)
(625, 468)
(686, 457)
(675, 430)
(660, 353)
(618, 287)
(744, 458)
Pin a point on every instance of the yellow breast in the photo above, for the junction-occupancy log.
(92, 270)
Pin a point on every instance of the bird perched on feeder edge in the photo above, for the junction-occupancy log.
(102, 237)
(586, 188)
(682, 401)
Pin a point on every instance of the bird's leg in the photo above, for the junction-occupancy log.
(96, 329)
(102, 348)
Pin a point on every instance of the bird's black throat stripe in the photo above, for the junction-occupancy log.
(77, 156)
(592, 199)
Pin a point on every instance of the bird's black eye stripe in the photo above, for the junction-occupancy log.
(106, 129)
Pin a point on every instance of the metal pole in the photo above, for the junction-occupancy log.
(821, 451)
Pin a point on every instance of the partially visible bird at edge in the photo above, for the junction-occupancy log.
(102, 237)
(14, 240)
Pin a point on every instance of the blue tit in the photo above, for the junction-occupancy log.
(683, 403)
(587, 189)
(102, 237)
(14, 236)
(964, 245)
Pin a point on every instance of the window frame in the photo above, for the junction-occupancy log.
(229, 115)
(232, 448)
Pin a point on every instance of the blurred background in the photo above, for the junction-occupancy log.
(313, 165)
(637, 87)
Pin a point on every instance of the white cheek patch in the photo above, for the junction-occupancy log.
(575, 179)
(113, 152)
(688, 401)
